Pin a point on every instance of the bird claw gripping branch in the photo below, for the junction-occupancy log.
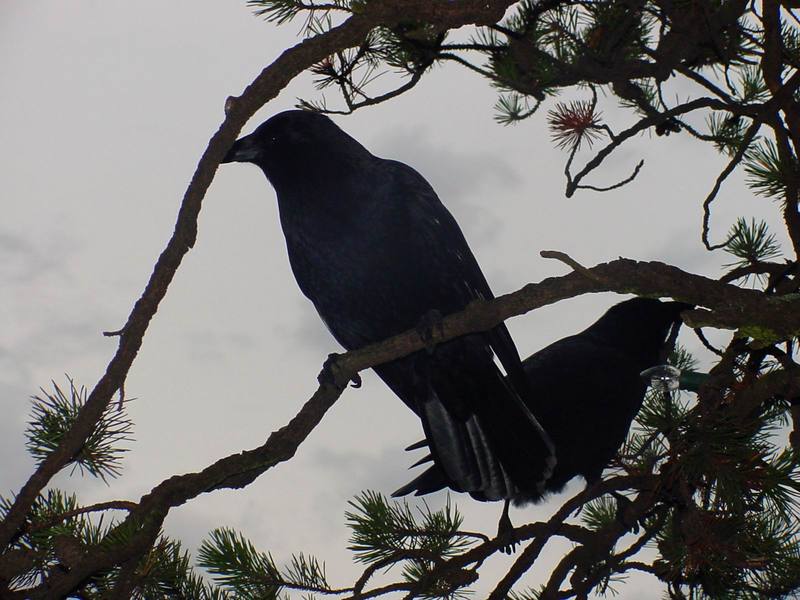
(327, 375)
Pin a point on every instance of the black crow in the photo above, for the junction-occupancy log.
(587, 390)
(374, 249)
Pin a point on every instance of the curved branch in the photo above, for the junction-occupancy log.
(732, 307)
(617, 185)
(415, 78)
(747, 139)
(641, 125)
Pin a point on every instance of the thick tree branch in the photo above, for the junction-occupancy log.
(756, 268)
(730, 306)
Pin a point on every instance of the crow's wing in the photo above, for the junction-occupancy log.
(375, 253)
(482, 434)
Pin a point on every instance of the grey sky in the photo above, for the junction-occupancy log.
(105, 110)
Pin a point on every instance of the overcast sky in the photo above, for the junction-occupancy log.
(106, 108)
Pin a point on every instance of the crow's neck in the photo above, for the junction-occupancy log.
(322, 209)
(642, 344)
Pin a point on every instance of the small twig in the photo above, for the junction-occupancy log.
(368, 101)
(465, 63)
(509, 119)
(615, 186)
(639, 126)
(100, 506)
(568, 260)
(576, 145)
(386, 562)
(640, 566)
(568, 165)
(749, 135)
(473, 534)
(648, 535)
(704, 340)
(700, 80)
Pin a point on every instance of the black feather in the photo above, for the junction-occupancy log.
(417, 445)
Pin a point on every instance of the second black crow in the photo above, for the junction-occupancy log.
(374, 249)
(587, 389)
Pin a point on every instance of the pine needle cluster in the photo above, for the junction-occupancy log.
(54, 414)
(731, 495)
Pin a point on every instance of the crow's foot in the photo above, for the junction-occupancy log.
(505, 529)
(328, 374)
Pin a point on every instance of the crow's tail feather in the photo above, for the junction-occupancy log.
(431, 480)
(482, 436)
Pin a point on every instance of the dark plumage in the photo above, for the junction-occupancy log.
(587, 390)
(373, 248)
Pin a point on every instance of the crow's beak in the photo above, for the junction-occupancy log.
(243, 150)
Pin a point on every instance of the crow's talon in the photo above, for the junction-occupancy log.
(326, 375)
(329, 369)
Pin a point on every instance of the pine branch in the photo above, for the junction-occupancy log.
(283, 11)
(55, 413)
(752, 244)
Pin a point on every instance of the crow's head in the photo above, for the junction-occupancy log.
(296, 144)
(641, 326)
